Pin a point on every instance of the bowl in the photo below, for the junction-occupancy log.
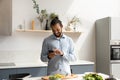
(54, 78)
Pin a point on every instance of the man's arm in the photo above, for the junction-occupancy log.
(44, 52)
(70, 56)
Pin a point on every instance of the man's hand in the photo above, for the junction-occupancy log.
(51, 55)
(58, 52)
(54, 53)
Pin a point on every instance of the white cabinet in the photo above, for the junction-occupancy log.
(110, 26)
(5, 17)
(116, 70)
(107, 29)
(115, 28)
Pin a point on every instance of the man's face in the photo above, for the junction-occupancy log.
(57, 30)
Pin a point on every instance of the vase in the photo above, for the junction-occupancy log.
(70, 28)
(42, 24)
(46, 26)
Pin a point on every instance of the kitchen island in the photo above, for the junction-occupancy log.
(79, 77)
(40, 69)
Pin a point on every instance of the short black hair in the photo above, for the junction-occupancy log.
(55, 21)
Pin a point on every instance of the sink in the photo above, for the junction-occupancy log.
(7, 64)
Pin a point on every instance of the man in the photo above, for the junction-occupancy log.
(57, 50)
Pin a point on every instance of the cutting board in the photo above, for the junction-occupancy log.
(66, 77)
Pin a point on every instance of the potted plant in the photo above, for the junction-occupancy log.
(71, 25)
(42, 14)
(53, 15)
(43, 17)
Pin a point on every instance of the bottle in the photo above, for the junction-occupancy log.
(33, 24)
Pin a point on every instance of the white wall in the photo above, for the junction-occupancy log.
(16, 47)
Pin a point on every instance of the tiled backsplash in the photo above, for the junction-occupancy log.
(20, 56)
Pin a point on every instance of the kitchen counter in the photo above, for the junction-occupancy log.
(40, 64)
(80, 77)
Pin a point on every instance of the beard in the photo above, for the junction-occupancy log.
(58, 34)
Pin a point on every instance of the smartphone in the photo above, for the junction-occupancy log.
(51, 51)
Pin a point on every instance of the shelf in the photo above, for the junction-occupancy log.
(29, 30)
(74, 35)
